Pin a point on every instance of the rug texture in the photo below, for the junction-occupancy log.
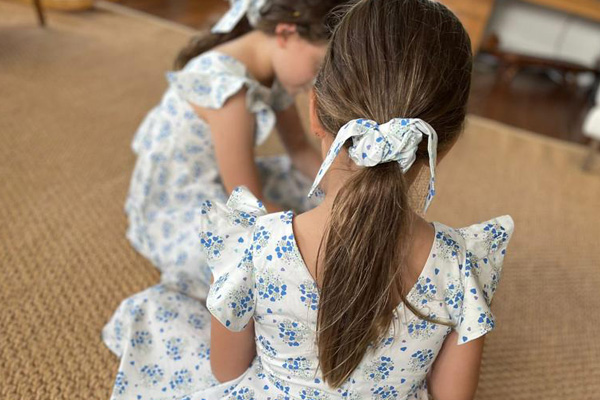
(71, 97)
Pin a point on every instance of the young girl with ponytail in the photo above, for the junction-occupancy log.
(361, 298)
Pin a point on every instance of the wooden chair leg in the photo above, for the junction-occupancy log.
(40, 12)
(594, 146)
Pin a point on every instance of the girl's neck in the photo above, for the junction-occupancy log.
(341, 171)
(255, 50)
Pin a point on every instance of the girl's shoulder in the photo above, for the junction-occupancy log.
(210, 79)
(216, 62)
(462, 274)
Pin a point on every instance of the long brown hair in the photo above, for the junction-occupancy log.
(387, 59)
(311, 17)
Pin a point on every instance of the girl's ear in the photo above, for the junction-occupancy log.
(315, 125)
(283, 32)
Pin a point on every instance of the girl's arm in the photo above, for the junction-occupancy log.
(230, 352)
(303, 154)
(232, 128)
(455, 373)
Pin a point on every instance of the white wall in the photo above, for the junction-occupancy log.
(536, 30)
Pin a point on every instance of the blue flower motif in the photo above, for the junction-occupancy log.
(121, 383)
(279, 384)
(271, 287)
(422, 329)
(241, 302)
(267, 348)
(243, 393)
(203, 352)
(164, 314)
(285, 246)
(174, 348)
(309, 294)
(165, 131)
(141, 340)
(386, 392)
(242, 218)
(137, 312)
(218, 284)
(471, 265)
(299, 366)
(454, 294)
(196, 321)
(421, 359)
(379, 370)
(449, 247)
(260, 239)
(486, 321)
(246, 264)
(287, 217)
(285, 250)
(212, 244)
(181, 380)
(201, 89)
(152, 374)
(292, 333)
(423, 291)
(313, 394)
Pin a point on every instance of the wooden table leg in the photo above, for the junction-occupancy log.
(40, 12)
(594, 146)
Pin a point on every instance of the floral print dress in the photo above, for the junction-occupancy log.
(176, 169)
(259, 274)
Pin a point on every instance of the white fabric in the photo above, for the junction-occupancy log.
(239, 8)
(591, 125)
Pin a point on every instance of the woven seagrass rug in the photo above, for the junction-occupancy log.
(71, 97)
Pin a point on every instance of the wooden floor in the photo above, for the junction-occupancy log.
(198, 14)
(533, 101)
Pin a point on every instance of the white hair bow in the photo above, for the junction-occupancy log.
(372, 144)
(239, 8)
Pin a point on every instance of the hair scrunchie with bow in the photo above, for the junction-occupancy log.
(373, 144)
(239, 8)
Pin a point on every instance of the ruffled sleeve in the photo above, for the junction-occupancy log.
(485, 248)
(209, 80)
(226, 237)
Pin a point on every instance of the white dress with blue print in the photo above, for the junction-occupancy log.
(176, 170)
(259, 274)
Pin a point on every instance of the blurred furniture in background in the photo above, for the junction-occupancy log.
(565, 37)
(197, 14)
(63, 5)
(538, 65)
(474, 14)
(584, 8)
(40, 12)
(591, 128)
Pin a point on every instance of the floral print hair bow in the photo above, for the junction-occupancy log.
(372, 144)
(239, 8)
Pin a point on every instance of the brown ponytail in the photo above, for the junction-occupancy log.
(387, 59)
(312, 18)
